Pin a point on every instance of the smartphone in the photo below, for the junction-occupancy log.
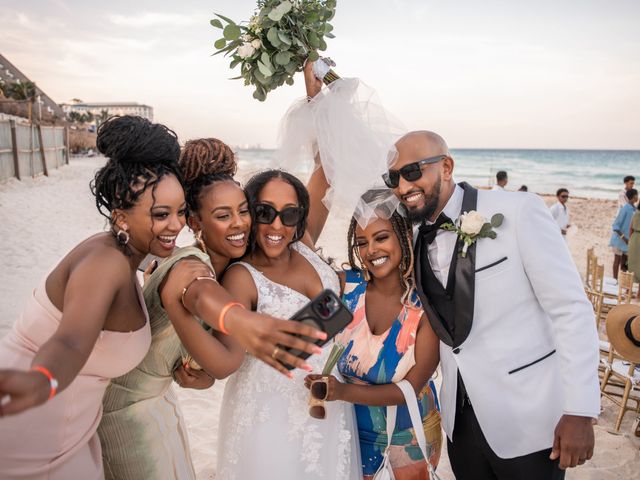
(147, 260)
(325, 312)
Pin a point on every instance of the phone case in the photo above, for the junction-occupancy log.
(325, 312)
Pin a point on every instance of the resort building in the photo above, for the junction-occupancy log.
(112, 108)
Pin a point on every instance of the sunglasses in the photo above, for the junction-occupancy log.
(289, 216)
(410, 172)
(564, 196)
(319, 392)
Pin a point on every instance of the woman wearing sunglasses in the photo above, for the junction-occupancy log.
(263, 420)
(142, 430)
(390, 338)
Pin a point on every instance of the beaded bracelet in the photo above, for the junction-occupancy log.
(53, 383)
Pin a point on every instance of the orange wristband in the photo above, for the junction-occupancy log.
(223, 312)
(53, 383)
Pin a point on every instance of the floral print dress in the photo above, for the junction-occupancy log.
(381, 359)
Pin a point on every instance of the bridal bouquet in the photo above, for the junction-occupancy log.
(274, 44)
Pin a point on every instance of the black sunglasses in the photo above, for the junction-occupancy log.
(410, 172)
(289, 216)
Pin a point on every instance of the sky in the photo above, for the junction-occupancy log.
(484, 74)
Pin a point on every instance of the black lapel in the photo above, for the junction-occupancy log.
(436, 321)
(464, 290)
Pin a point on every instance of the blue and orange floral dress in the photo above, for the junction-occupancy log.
(380, 359)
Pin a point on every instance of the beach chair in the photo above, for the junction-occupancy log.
(591, 259)
(594, 291)
(620, 375)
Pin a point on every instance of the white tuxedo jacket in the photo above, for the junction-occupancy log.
(532, 352)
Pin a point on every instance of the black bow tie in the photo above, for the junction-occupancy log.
(429, 232)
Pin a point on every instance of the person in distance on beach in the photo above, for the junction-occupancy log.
(619, 241)
(518, 344)
(501, 180)
(560, 211)
(629, 182)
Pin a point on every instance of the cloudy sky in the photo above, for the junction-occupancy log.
(496, 74)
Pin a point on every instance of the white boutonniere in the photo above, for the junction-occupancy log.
(471, 226)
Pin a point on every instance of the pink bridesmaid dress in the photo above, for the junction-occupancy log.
(58, 440)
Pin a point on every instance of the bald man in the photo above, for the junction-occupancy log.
(519, 347)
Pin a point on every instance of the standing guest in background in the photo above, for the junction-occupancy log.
(523, 188)
(560, 212)
(501, 180)
(620, 237)
(633, 262)
(629, 182)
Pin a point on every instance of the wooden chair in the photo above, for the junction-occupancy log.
(618, 374)
(625, 287)
(594, 291)
(591, 259)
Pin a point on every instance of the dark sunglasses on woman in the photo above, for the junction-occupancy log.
(289, 216)
(410, 172)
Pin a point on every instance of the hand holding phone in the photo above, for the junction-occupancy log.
(327, 313)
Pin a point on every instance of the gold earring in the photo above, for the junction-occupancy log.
(199, 241)
(122, 236)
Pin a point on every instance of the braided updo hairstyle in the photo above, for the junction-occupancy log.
(404, 232)
(139, 154)
(203, 162)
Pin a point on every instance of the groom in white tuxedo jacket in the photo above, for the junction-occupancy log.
(519, 347)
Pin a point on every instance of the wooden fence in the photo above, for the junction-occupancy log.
(31, 150)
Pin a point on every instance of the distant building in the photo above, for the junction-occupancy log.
(44, 106)
(112, 108)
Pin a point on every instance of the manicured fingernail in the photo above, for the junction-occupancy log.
(290, 375)
(307, 367)
(323, 335)
(317, 350)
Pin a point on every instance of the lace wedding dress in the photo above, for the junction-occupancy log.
(265, 429)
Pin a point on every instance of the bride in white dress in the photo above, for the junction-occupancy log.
(265, 429)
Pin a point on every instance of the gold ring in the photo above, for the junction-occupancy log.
(275, 352)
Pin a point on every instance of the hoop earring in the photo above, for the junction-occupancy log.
(123, 237)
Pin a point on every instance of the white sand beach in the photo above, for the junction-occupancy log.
(43, 218)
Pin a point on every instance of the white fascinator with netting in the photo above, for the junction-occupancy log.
(354, 135)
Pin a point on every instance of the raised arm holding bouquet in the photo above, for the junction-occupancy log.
(276, 42)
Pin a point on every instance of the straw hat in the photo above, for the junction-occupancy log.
(623, 330)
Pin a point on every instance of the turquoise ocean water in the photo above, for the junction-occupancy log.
(586, 173)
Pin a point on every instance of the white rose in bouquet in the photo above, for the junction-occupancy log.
(256, 43)
(246, 50)
(471, 222)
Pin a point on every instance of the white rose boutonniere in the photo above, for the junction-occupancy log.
(473, 225)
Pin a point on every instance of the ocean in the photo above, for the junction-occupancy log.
(586, 173)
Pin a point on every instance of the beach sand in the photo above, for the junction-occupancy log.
(45, 217)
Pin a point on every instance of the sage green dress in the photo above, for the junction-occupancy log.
(142, 431)
(633, 261)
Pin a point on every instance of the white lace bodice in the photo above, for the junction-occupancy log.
(259, 399)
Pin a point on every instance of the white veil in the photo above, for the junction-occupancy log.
(354, 135)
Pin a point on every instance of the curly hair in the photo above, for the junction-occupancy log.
(402, 228)
(255, 185)
(204, 161)
(139, 154)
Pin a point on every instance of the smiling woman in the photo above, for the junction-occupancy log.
(142, 430)
(86, 322)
